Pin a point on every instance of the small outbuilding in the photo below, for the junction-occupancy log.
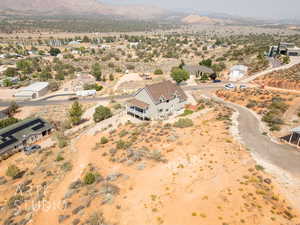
(237, 72)
(35, 90)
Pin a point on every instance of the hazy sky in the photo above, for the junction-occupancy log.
(254, 8)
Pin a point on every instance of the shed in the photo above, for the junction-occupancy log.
(35, 90)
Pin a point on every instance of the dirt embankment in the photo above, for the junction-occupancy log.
(287, 79)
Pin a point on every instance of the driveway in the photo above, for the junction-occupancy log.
(282, 156)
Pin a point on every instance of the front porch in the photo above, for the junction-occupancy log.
(137, 109)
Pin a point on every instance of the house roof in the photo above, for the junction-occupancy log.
(37, 86)
(138, 103)
(166, 90)
(193, 69)
(17, 132)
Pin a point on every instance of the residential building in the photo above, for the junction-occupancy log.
(198, 70)
(157, 101)
(289, 49)
(35, 90)
(237, 72)
(15, 137)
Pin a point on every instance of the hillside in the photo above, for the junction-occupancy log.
(71, 7)
(196, 19)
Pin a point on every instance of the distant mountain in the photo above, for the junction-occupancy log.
(196, 19)
(79, 7)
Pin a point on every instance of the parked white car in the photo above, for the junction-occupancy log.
(229, 86)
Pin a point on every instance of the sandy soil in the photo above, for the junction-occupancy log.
(208, 178)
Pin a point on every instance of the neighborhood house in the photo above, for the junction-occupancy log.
(15, 137)
(32, 91)
(157, 101)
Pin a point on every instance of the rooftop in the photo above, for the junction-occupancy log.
(37, 86)
(19, 131)
(197, 68)
(166, 90)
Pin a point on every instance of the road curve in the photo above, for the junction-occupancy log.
(281, 155)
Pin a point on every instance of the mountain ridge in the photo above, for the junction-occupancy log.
(73, 7)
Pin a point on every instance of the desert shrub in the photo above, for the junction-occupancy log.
(187, 112)
(103, 140)
(130, 67)
(158, 72)
(15, 201)
(89, 178)
(251, 104)
(96, 87)
(59, 158)
(96, 219)
(108, 188)
(123, 144)
(117, 106)
(156, 155)
(259, 167)
(67, 166)
(61, 139)
(102, 113)
(183, 123)
(123, 133)
(13, 171)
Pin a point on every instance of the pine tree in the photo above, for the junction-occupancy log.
(75, 113)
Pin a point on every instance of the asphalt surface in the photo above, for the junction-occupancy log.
(281, 155)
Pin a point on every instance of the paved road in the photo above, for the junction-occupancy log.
(295, 60)
(280, 155)
(57, 102)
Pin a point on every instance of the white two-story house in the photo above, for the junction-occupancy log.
(157, 101)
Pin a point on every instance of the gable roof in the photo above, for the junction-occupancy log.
(194, 69)
(165, 89)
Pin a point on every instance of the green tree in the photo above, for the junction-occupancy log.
(96, 71)
(54, 51)
(75, 113)
(102, 113)
(206, 62)
(25, 65)
(179, 75)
